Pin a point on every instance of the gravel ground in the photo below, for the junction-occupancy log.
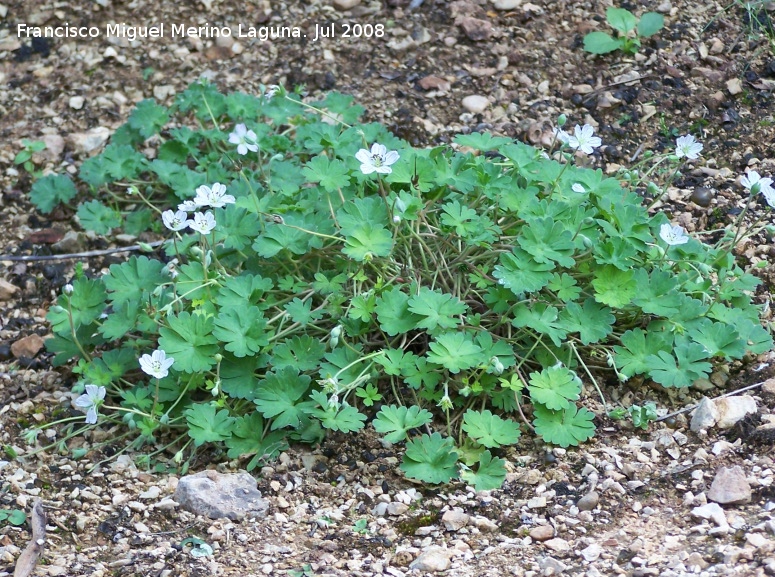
(627, 503)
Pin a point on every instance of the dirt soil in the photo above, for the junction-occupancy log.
(623, 504)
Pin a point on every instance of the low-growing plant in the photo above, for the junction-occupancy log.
(320, 273)
(23, 158)
(629, 31)
(15, 517)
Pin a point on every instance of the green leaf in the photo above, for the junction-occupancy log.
(396, 421)
(331, 174)
(148, 118)
(601, 43)
(51, 190)
(430, 459)
(244, 290)
(481, 141)
(302, 352)
(541, 318)
(521, 274)
(489, 474)
(243, 330)
(208, 425)
(237, 228)
(368, 240)
(490, 430)
(133, 280)
(548, 240)
(614, 287)
(564, 286)
(279, 397)
(719, 339)
(301, 311)
(122, 161)
(680, 370)
(455, 351)
(657, 293)
(85, 304)
(190, 341)
(362, 307)
(248, 438)
(592, 321)
(360, 212)
(464, 220)
(621, 19)
(565, 428)
(393, 312)
(17, 517)
(555, 387)
(437, 309)
(650, 23)
(631, 358)
(344, 418)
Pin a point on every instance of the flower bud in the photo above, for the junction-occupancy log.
(67, 289)
(496, 366)
(561, 120)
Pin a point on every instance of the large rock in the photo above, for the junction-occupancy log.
(431, 560)
(28, 346)
(215, 495)
(733, 409)
(730, 487)
(704, 416)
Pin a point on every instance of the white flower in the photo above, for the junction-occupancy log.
(578, 187)
(755, 183)
(214, 197)
(673, 235)
(687, 146)
(90, 401)
(378, 160)
(271, 90)
(156, 364)
(188, 206)
(202, 223)
(67, 289)
(582, 139)
(561, 135)
(244, 139)
(175, 220)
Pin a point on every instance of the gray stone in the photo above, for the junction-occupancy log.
(432, 559)
(557, 545)
(216, 495)
(589, 501)
(476, 29)
(85, 142)
(541, 533)
(475, 103)
(730, 487)
(346, 4)
(713, 512)
(455, 519)
(506, 4)
(592, 552)
(7, 290)
(705, 415)
(552, 566)
(733, 409)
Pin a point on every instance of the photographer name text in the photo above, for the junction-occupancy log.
(165, 30)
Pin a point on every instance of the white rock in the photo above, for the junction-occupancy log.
(475, 103)
(76, 102)
(713, 512)
(730, 487)
(346, 4)
(557, 545)
(733, 409)
(705, 415)
(152, 492)
(592, 552)
(734, 86)
(455, 519)
(432, 559)
(506, 4)
(85, 142)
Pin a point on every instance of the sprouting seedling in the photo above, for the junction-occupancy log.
(629, 31)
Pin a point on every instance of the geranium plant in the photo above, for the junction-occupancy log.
(320, 274)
